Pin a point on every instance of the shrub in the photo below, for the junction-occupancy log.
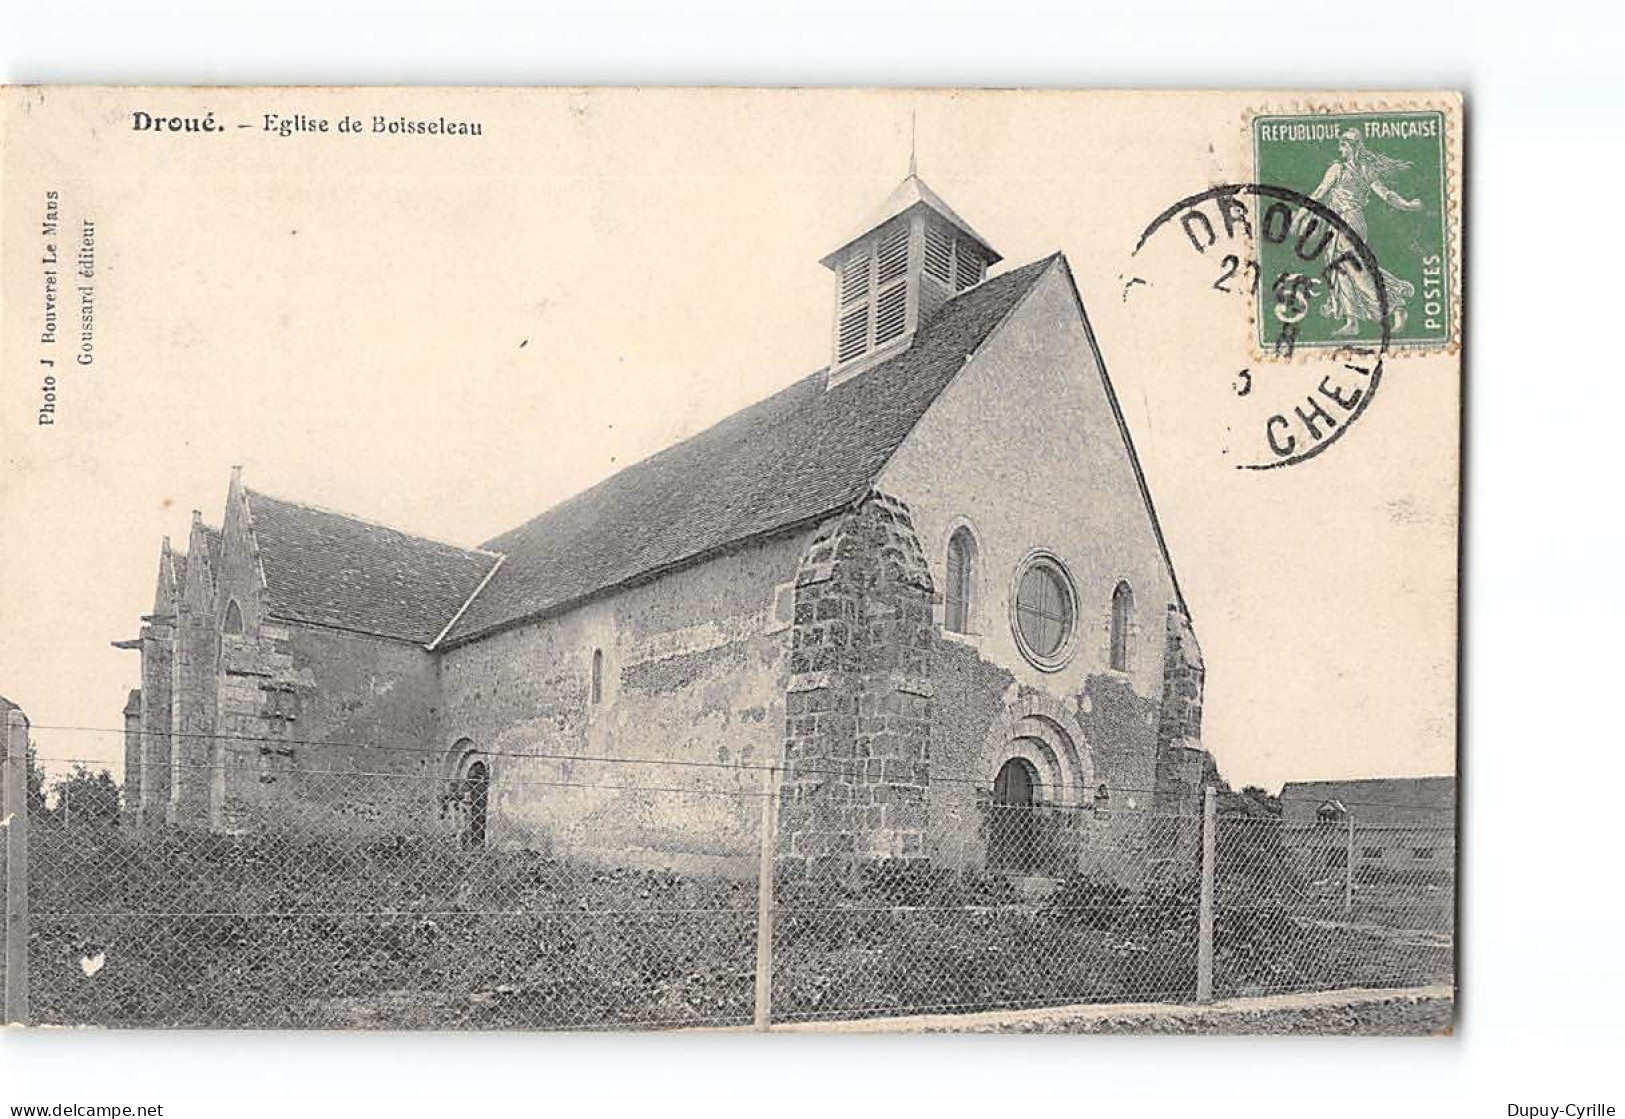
(272, 931)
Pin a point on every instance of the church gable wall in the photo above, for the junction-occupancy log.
(313, 728)
(1024, 450)
(1023, 447)
(694, 670)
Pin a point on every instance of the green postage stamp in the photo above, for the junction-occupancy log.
(1381, 179)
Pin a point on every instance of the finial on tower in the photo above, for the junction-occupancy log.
(897, 271)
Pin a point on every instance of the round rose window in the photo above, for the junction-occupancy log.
(1045, 612)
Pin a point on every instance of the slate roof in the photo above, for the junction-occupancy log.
(911, 192)
(791, 459)
(1420, 801)
(340, 571)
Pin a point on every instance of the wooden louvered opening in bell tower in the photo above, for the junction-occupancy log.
(897, 273)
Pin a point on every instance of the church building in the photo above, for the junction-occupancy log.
(925, 583)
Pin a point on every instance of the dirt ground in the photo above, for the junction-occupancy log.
(1411, 1011)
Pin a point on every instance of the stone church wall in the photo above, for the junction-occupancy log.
(983, 716)
(288, 725)
(1040, 463)
(857, 741)
(150, 800)
(194, 756)
(324, 729)
(130, 806)
(695, 669)
(895, 731)
(971, 697)
(1120, 726)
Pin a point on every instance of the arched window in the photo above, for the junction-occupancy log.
(961, 571)
(597, 676)
(234, 617)
(477, 788)
(466, 804)
(1122, 618)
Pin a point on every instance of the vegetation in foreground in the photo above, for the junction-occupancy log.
(209, 931)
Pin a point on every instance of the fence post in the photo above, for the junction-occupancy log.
(15, 813)
(1348, 876)
(764, 900)
(1204, 931)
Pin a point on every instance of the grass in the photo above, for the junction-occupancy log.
(189, 930)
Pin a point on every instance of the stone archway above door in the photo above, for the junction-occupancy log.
(1044, 732)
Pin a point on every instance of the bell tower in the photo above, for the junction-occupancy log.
(893, 275)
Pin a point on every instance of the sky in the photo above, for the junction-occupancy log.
(450, 334)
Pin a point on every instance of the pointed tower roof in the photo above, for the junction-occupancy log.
(911, 192)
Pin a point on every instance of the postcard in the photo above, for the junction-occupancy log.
(793, 559)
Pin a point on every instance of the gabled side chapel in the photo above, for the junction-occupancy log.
(926, 581)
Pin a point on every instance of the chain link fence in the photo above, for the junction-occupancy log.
(402, 900)
(1337, 903)
(426, 913)
(1037, 906)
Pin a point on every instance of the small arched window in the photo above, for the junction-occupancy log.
(1122, 619)
(597, 676)
(476, 792)
(961, 571)
(234, 618)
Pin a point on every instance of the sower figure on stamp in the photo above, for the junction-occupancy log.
(1346, 187)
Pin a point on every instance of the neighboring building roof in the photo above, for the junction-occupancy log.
(791, 459)
(340, 571)
(1415, 800)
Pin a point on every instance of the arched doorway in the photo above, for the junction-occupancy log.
(475, 793)
(1013, 824)
(1016, 784)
